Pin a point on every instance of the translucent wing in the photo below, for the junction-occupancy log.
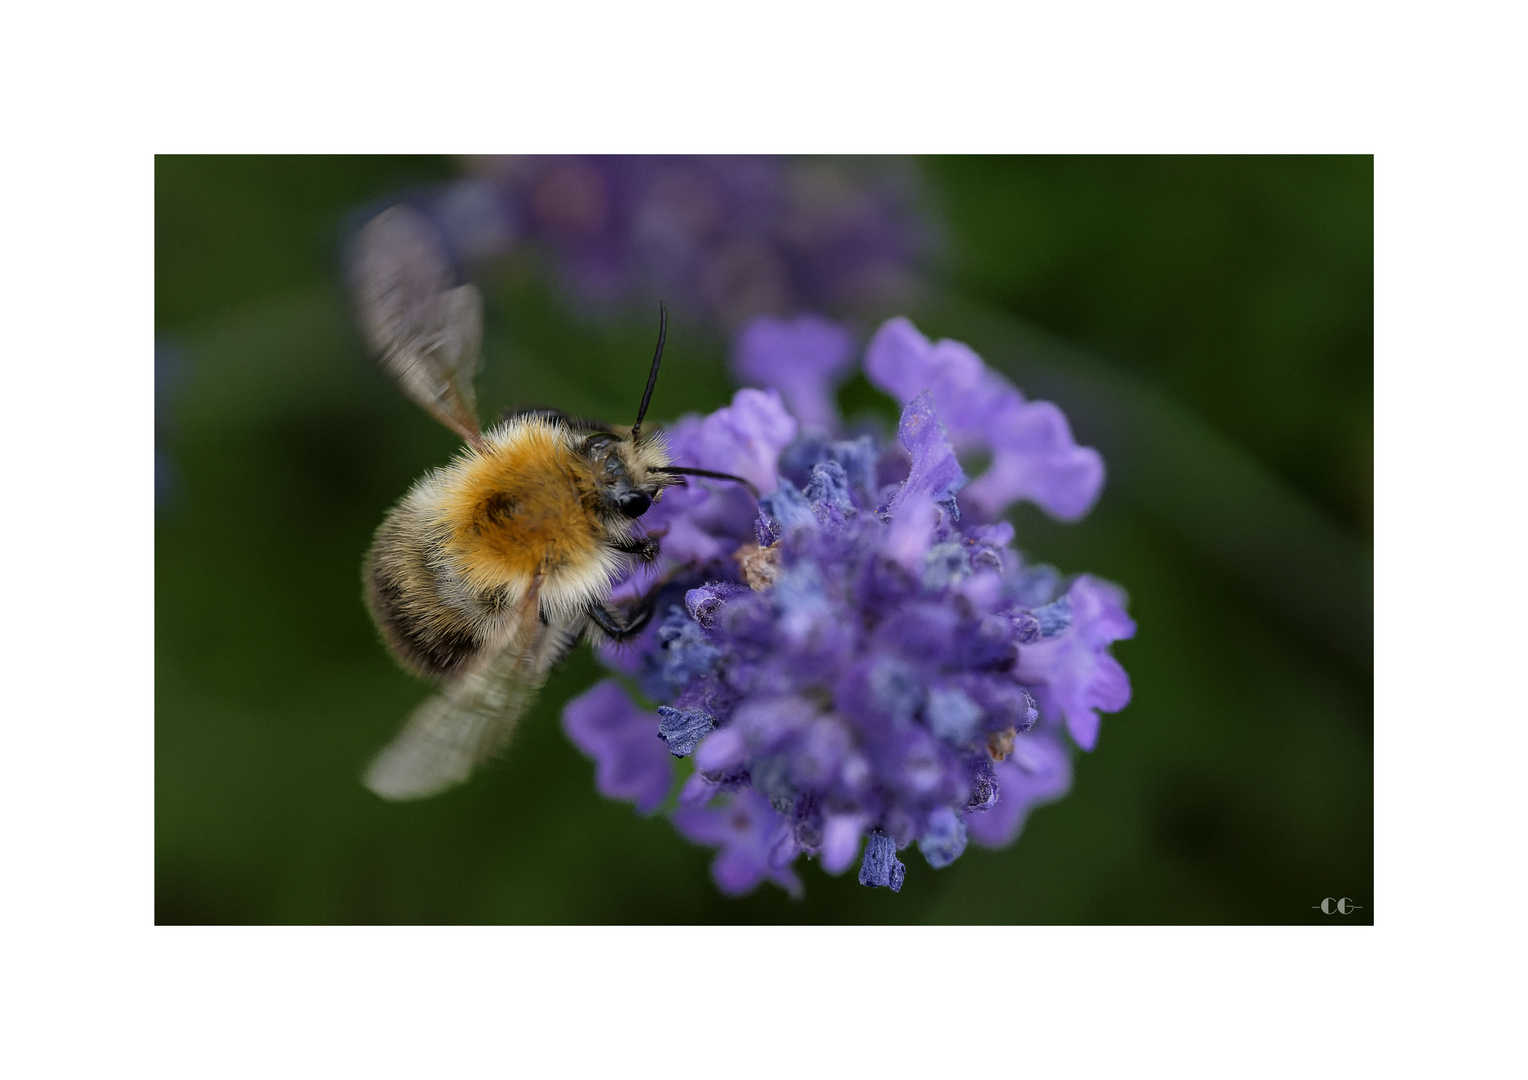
(474, 714)
(426, 333)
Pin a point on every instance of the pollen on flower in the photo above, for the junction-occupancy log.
(760, 566)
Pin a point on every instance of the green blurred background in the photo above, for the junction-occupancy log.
(1206, 322)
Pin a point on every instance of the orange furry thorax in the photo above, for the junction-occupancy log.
(522, 506)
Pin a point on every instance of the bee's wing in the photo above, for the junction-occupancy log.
(473, 715)
(426, 333)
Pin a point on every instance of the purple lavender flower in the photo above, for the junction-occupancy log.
(732, 237)
(861, 656)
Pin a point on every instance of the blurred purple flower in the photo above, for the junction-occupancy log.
(860, 654)
(731, 237)
(817, 353)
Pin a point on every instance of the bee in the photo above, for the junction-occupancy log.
(491, 569)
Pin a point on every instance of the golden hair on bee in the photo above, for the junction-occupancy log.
(536, 501)
(492, 567)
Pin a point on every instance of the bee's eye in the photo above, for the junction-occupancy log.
(634, 504)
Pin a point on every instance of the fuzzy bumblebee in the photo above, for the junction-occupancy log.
(492, 568)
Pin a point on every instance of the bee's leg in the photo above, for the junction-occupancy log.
(627, 623)
(645, 549)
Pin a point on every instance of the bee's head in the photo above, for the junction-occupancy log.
(628, 474)
(630, 471)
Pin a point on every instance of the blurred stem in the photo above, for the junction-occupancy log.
(1202, 487)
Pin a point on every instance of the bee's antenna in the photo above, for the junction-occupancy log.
(652, 375)
(681, 470)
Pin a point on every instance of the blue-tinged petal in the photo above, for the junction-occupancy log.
(880, 867)
(783, 512)
(895, 689)
(681, 655)
(804, 612)
(829, 495)
(984, 789)
(1026, 628)
(944, 565)
(818, 754)
(858, 457)
(945, 839)
(1054, 617)
(953, 716)
(1033, 586)
(682, 729)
